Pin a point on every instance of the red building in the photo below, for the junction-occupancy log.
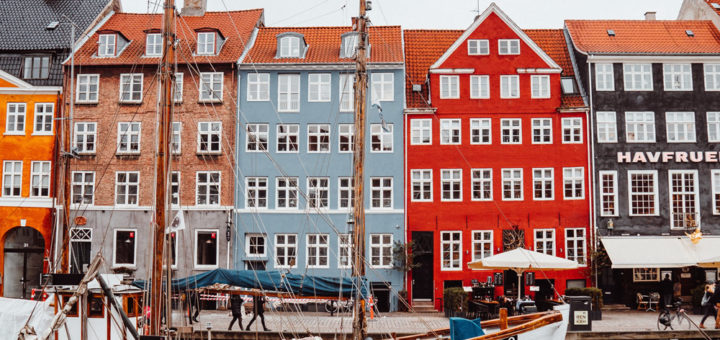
(496, 155)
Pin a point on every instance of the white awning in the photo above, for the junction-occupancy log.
(659, 251)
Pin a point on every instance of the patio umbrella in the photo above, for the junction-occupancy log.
(520, 259)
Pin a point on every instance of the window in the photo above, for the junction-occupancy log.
(347, 94)
(421, 185)
(381, 250)
(258, 88)
(574, 183)
(606, 127)
(349, 45)
(40, 179)
(381, 137)
(604, 77)
(542, 131)
(575, 245)
(319, 87)
(83, 187)
(451, 183)
(211, 86)
(131, 87)
(684, 205)
(257, 137)
(451, 246)
(207, 188)
(153, 44)
(713, 125)
(479, 87)
(286, 193)
(712, 77)
(124, 254)
(646, 274)
(345, 192)
(106, 45)
(318, 192)
(255, 245)
(508, 46)
(509, 87)
(285, 250)
(510, 131)
(175, 188)
(449, 87)
(638, 77)
(512, 184)
(287, 137)
(680, 127)
(716, 191)
(178, 89)
(127, 187)
(608, 193)
(545, 241)
(87, 88)
(80, 242)
(289, 92)
(382, 87)
(44, 114)
(346, 137)
(15, 120)
(642, 186)
(345, 246)
(482, 244)
(572, 130)
(480, 132)
(568, 85)
(318, 138)
(206, 43)
(289, 47)
(210, 133)
(540, 86)
(640, 127)
(176, 139)
(381, 190)
(256, 192)
(36, 67)
(677, 77)
(449, 131)
(206, 249)
(481, 184)
(478, 47)
(12, 178)
(543, 185)
(317, 251)
(421, 131)
(128, 138)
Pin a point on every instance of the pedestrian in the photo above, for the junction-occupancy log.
(708, 308)
(258, 310)
(666, 290)
(236, 303)
(194, 302)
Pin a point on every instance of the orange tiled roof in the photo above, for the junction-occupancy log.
(710, 2)
(324, 45)
(644, 36)
(234, 26)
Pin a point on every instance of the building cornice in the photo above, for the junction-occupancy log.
(316, 67)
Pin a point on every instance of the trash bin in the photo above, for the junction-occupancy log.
(580, 307)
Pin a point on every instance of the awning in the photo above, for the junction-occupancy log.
(659, 251)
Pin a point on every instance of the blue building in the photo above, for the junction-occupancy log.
(294, 154)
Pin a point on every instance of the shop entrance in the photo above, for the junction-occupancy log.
(23, 265)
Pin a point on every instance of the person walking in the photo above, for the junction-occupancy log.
(666, 290)
(708, 308)
(236, 303)
(194, 303)
(258, 310)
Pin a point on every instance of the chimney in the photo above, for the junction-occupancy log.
(648, 15)
(194, 8)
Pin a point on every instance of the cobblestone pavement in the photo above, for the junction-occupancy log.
(633, 320)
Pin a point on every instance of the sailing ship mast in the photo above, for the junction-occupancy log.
(359, 321)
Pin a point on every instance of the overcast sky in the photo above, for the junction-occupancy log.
(442, 14)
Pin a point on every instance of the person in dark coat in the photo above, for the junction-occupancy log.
(666, 290)
(258, 310)
(193, 300)
(708, 307)
(236, 303)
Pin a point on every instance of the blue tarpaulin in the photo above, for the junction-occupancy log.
(303, 285)
(461, 329)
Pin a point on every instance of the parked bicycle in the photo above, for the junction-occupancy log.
(673, 318)
(339, 306)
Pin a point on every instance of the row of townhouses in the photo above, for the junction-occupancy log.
(599, 138)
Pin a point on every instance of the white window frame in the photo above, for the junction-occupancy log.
(383, 87)
(513, 177)
(319, 246)
(345, 253)
(211, 83)
(608, 192)
(645, 126)
(319, 87)
(127, 130)
(646, 274)
(114, 250)
(128, 183)
(290, 192)
(712, 77)
(44, 115)
(176, 138)
(346, 131)
(129, 83)
(713, 126)
(378, 186)
(37, 175)
(153, 45)
(289, 47)
(346, 189)
(288, 92)
(420, 131)
(654, 193)
(680, 127)
(287, 246)
(546, 178)
(175, 185)
(208, 185)
(604, 77)
(479, 178)
(606, 127)
(85, 134)
(84, 187)
(285, 133)
(16, 117)
(314, 193)
(249, 246)
(449, 87)
(217, 249)
(479, 87)
(509, 87)
(421, 182)
(254, 188)
(382, 135)
(450, 131)
(480, 128)
(107, 45)
(508, 46)
(210, 131)
(542, 128)
(12, 179)
(257, 137)
(677, 77)
(485, 238)
(84, 88)
(576, 242)
(672, 193)
(540, 86)
(178, 89)
(478, 47)
(715, 180)
(206, 43)
(385, 250)
(319, 136)
(454, 178)
(572, 130)
(451, 243)
(638, 77)
(575, 178)
(543, 240)
(347, 92)
(509, 127)
(258, 87)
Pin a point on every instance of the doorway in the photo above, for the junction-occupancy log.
(23, 265)
(381, 293)
(422, 276)
(511, 284)
(546, 291)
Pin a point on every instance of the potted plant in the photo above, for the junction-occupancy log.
(455, 302)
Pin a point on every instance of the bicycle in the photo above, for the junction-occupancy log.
(341, 306)
(673, 319)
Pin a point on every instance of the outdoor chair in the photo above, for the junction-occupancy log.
(642, 301)
(654, 301)
(478, 310)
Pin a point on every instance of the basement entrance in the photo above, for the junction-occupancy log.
(23, 265)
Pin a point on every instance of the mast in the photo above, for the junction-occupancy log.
(359, 322)
(162, 164)
(66, 154)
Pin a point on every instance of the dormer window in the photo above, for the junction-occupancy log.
(349, 45)
(153, 45)
(290, 45)
(568, 85)
(206, 43)
(107, 45)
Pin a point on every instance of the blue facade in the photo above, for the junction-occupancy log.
(270, 217)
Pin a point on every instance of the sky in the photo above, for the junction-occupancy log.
(433, 14)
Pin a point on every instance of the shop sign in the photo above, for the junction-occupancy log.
(668, 156)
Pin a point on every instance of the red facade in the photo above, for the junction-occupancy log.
(455, 219)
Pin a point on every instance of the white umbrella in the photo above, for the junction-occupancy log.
(520, 259)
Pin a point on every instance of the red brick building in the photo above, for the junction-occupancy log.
(496, 155)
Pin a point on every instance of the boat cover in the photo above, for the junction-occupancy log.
(461, 328)
(301, 285)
